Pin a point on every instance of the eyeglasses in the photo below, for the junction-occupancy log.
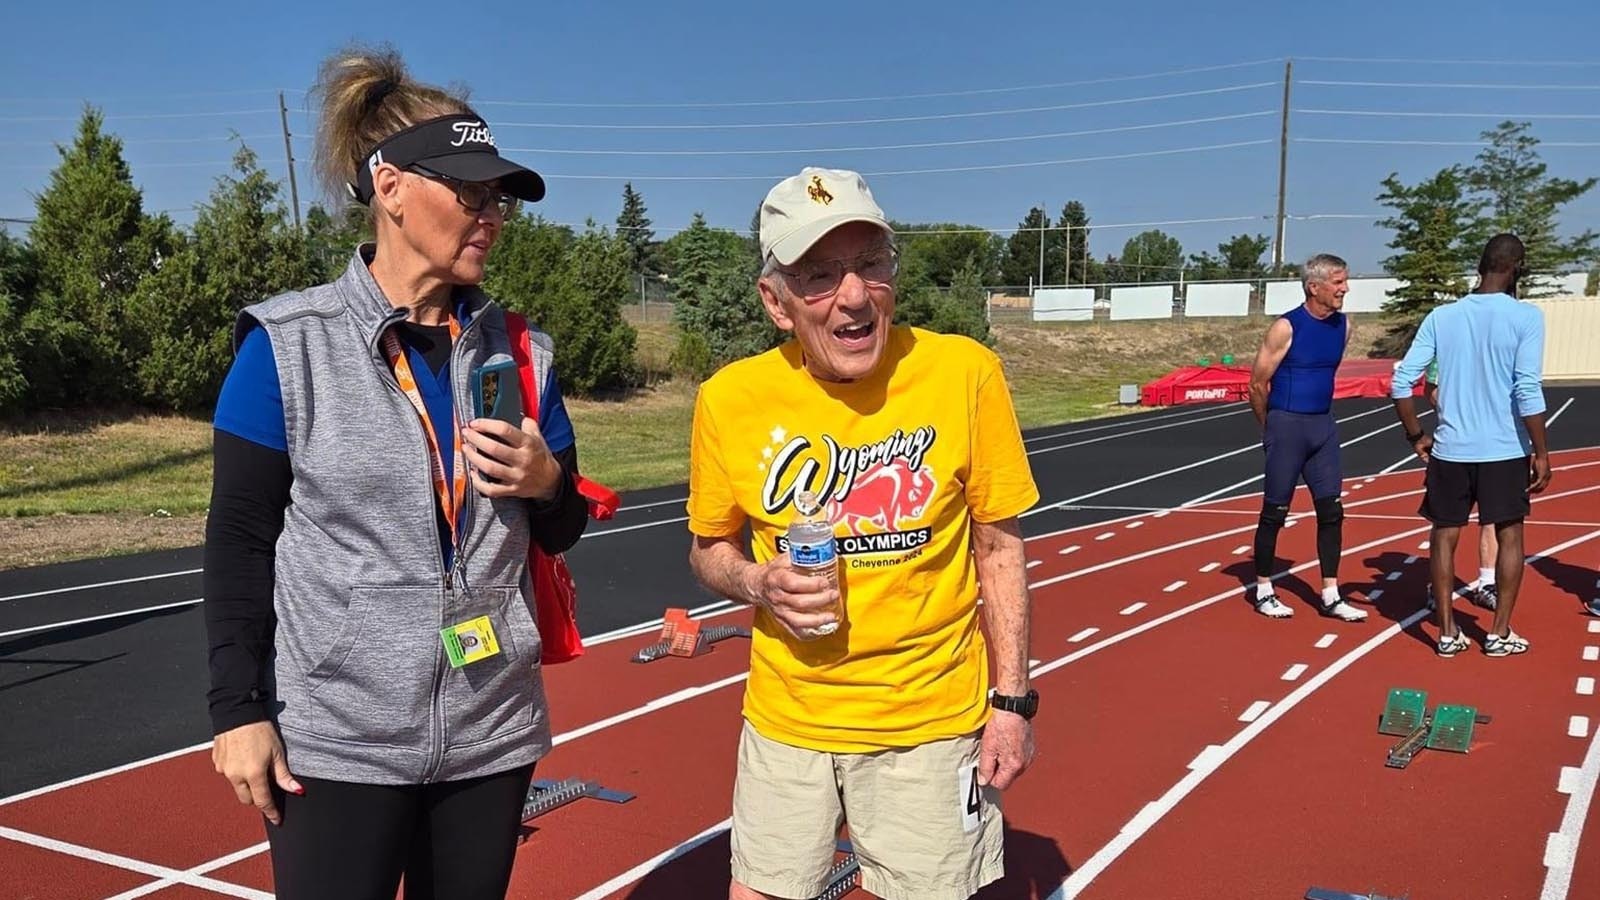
(475, 196)
(819, 279)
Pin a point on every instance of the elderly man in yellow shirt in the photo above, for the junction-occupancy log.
(909, 443)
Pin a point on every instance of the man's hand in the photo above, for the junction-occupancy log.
(798, 602)
(1006, 749)
(1539, 474)
(251, 758)
(1423, 446)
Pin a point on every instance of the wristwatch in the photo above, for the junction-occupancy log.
(1025, 706)
(1413, 438)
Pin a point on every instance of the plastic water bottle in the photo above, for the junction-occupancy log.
(812, 551)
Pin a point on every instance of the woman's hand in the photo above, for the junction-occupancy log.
(518, 461)
(250, 755)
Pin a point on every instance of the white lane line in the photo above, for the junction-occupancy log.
(1569, 781)
(100, 584)
(1374, 594)
(1106, 536)
(114, 770)
(101, 618)
(1578, 726)
(1357, 487)
(132, 865)
(590, 534)
(1368, 480)
(1142, 419)
(1208, 759)
(1561, 848)
(1161, 514)
(1086, 633)
(1591, 654)
(1135, 524)
(1411, 559)
(1241, 550)
(1326, 641)
(671, 699)
(1393, 576)
(1152, 813)
(1130, 610)
(1294, 672)
(655, 862)
(1552, 420)
(1254, 711)
(1065, 550)
(1594, 627)
(220, 862)
(1123, 434)
(1174, 586)
(1211, 567)
(1032, 563)
(1585, 686)
(1422, 546)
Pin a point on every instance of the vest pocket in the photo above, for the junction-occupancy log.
(375, 683)
(495, 697)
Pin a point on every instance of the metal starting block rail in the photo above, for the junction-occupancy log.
(1317, 893)
(545, 795)
(1405, 715)
(844, 877)
(686, 637)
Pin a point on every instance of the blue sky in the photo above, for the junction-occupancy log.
(145, 67)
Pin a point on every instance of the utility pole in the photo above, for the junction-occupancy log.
(1041, 245)
(288, 154)
(1283, 166)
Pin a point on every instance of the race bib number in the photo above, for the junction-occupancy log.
(971, 795)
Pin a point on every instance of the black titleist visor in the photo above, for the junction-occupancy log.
(458, 146)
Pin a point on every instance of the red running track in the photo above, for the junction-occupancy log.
(1147, 783)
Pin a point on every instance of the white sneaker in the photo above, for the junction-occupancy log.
(1273, 608)
(1343, 611)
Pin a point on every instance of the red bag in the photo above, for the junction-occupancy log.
(555, 595)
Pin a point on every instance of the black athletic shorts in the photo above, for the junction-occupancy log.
(1498, 489)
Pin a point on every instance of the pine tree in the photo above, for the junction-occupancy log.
(1020, 264)
(594, 344)
(93, 243)
(1432, 224)
(717, 310)
(633, 229)
(1510, 179)
(1069, 245)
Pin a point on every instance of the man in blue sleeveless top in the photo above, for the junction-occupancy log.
(1291, 391)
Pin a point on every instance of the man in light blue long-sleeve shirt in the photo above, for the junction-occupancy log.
(1490, 447)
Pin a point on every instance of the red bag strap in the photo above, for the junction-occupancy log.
(603, 501)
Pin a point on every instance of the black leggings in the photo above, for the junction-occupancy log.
(454, 840)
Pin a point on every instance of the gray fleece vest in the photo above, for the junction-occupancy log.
(363, 689)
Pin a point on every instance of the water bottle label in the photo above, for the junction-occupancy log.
(818, 554)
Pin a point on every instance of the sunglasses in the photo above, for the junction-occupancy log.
(475, 196)
(820, 279)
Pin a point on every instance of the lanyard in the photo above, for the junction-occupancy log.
(450, 499)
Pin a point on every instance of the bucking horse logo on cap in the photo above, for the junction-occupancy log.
(817, 192)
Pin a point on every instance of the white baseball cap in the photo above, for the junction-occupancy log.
(803, 208)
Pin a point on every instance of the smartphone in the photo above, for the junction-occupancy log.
(497, 391)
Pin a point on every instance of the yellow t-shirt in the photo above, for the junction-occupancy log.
(905, 459)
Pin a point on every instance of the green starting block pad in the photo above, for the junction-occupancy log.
(545, 795)
(1404, 711)
(1449, 727)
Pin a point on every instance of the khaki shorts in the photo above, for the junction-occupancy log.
(919, 825)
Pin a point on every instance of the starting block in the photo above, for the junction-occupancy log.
(545, 795)
(1405, 715)
(844, 877)
(686, 637)
(1317, 893)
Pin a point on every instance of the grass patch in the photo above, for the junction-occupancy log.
(82, 486)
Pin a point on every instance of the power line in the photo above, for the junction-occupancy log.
(709, 126)
(1436, 143)
(141, 116)
(195, 96)
(877, 147)
(940, 171)
(139, 141)
(713, 104)
(1552, 63)
(143, 165)
(1444, 115)
(1476, 86)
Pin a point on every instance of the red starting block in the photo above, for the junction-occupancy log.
(685, 637)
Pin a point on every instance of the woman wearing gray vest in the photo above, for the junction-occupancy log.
(375, 681)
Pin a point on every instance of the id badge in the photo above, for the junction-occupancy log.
(469, 642)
